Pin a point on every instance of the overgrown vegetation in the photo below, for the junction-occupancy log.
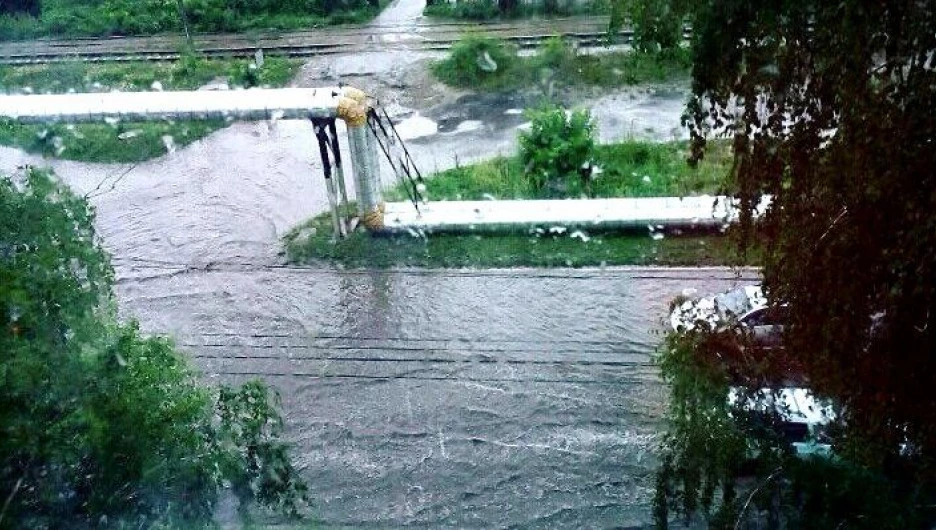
(99, 424)
(484, 63)
(728, 465)
(511, 9)
(70, 18)
(548, 247)
(843, 145)
(629, 169)
(558, 150)
(626, 169)
(188, 73)
(122, 141)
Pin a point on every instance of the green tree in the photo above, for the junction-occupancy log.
(98, 424)
(830, 107)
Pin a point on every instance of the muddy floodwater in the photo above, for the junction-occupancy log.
(478, 399)
(430, 398)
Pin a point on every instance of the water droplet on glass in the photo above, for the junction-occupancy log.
(169, 142)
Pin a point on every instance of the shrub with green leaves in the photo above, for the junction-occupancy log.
(121, 17)
(101, 426)
(727, 463)
(555, 54)
(556, 148)
(476, 61)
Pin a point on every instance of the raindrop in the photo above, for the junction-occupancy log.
(58, 144)
(130, 134)
(486, 63)
(169, 142)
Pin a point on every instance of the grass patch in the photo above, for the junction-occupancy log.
(629, 169)
(190, 72)
(625, 166)
(93, 142)
(469, 65)
(313, 242)
(125, 142)
(71, 18)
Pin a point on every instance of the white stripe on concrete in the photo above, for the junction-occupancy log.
(596, 214)
(253, 104)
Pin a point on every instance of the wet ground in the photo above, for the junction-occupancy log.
(424, 398)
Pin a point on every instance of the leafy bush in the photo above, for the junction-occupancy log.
(555, 53)
(511, 9)
(99, 425)
(124, 17)
(729, 465)
(476, 60)
(556, 148)
(16, 27)
(463, 9)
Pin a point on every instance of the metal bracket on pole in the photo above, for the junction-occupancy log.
(325, 143)
(339, 171)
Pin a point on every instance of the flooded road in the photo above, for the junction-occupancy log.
(478, 399)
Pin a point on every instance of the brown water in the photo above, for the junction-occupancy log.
(446, 398)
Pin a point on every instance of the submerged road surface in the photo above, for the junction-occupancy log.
(478, 399)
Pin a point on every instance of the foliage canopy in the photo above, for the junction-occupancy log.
(99, 425)
(829, 107)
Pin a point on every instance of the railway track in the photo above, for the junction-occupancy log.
(591, 31)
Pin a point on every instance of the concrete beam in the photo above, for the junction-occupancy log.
(588, 214)
(253, 104)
